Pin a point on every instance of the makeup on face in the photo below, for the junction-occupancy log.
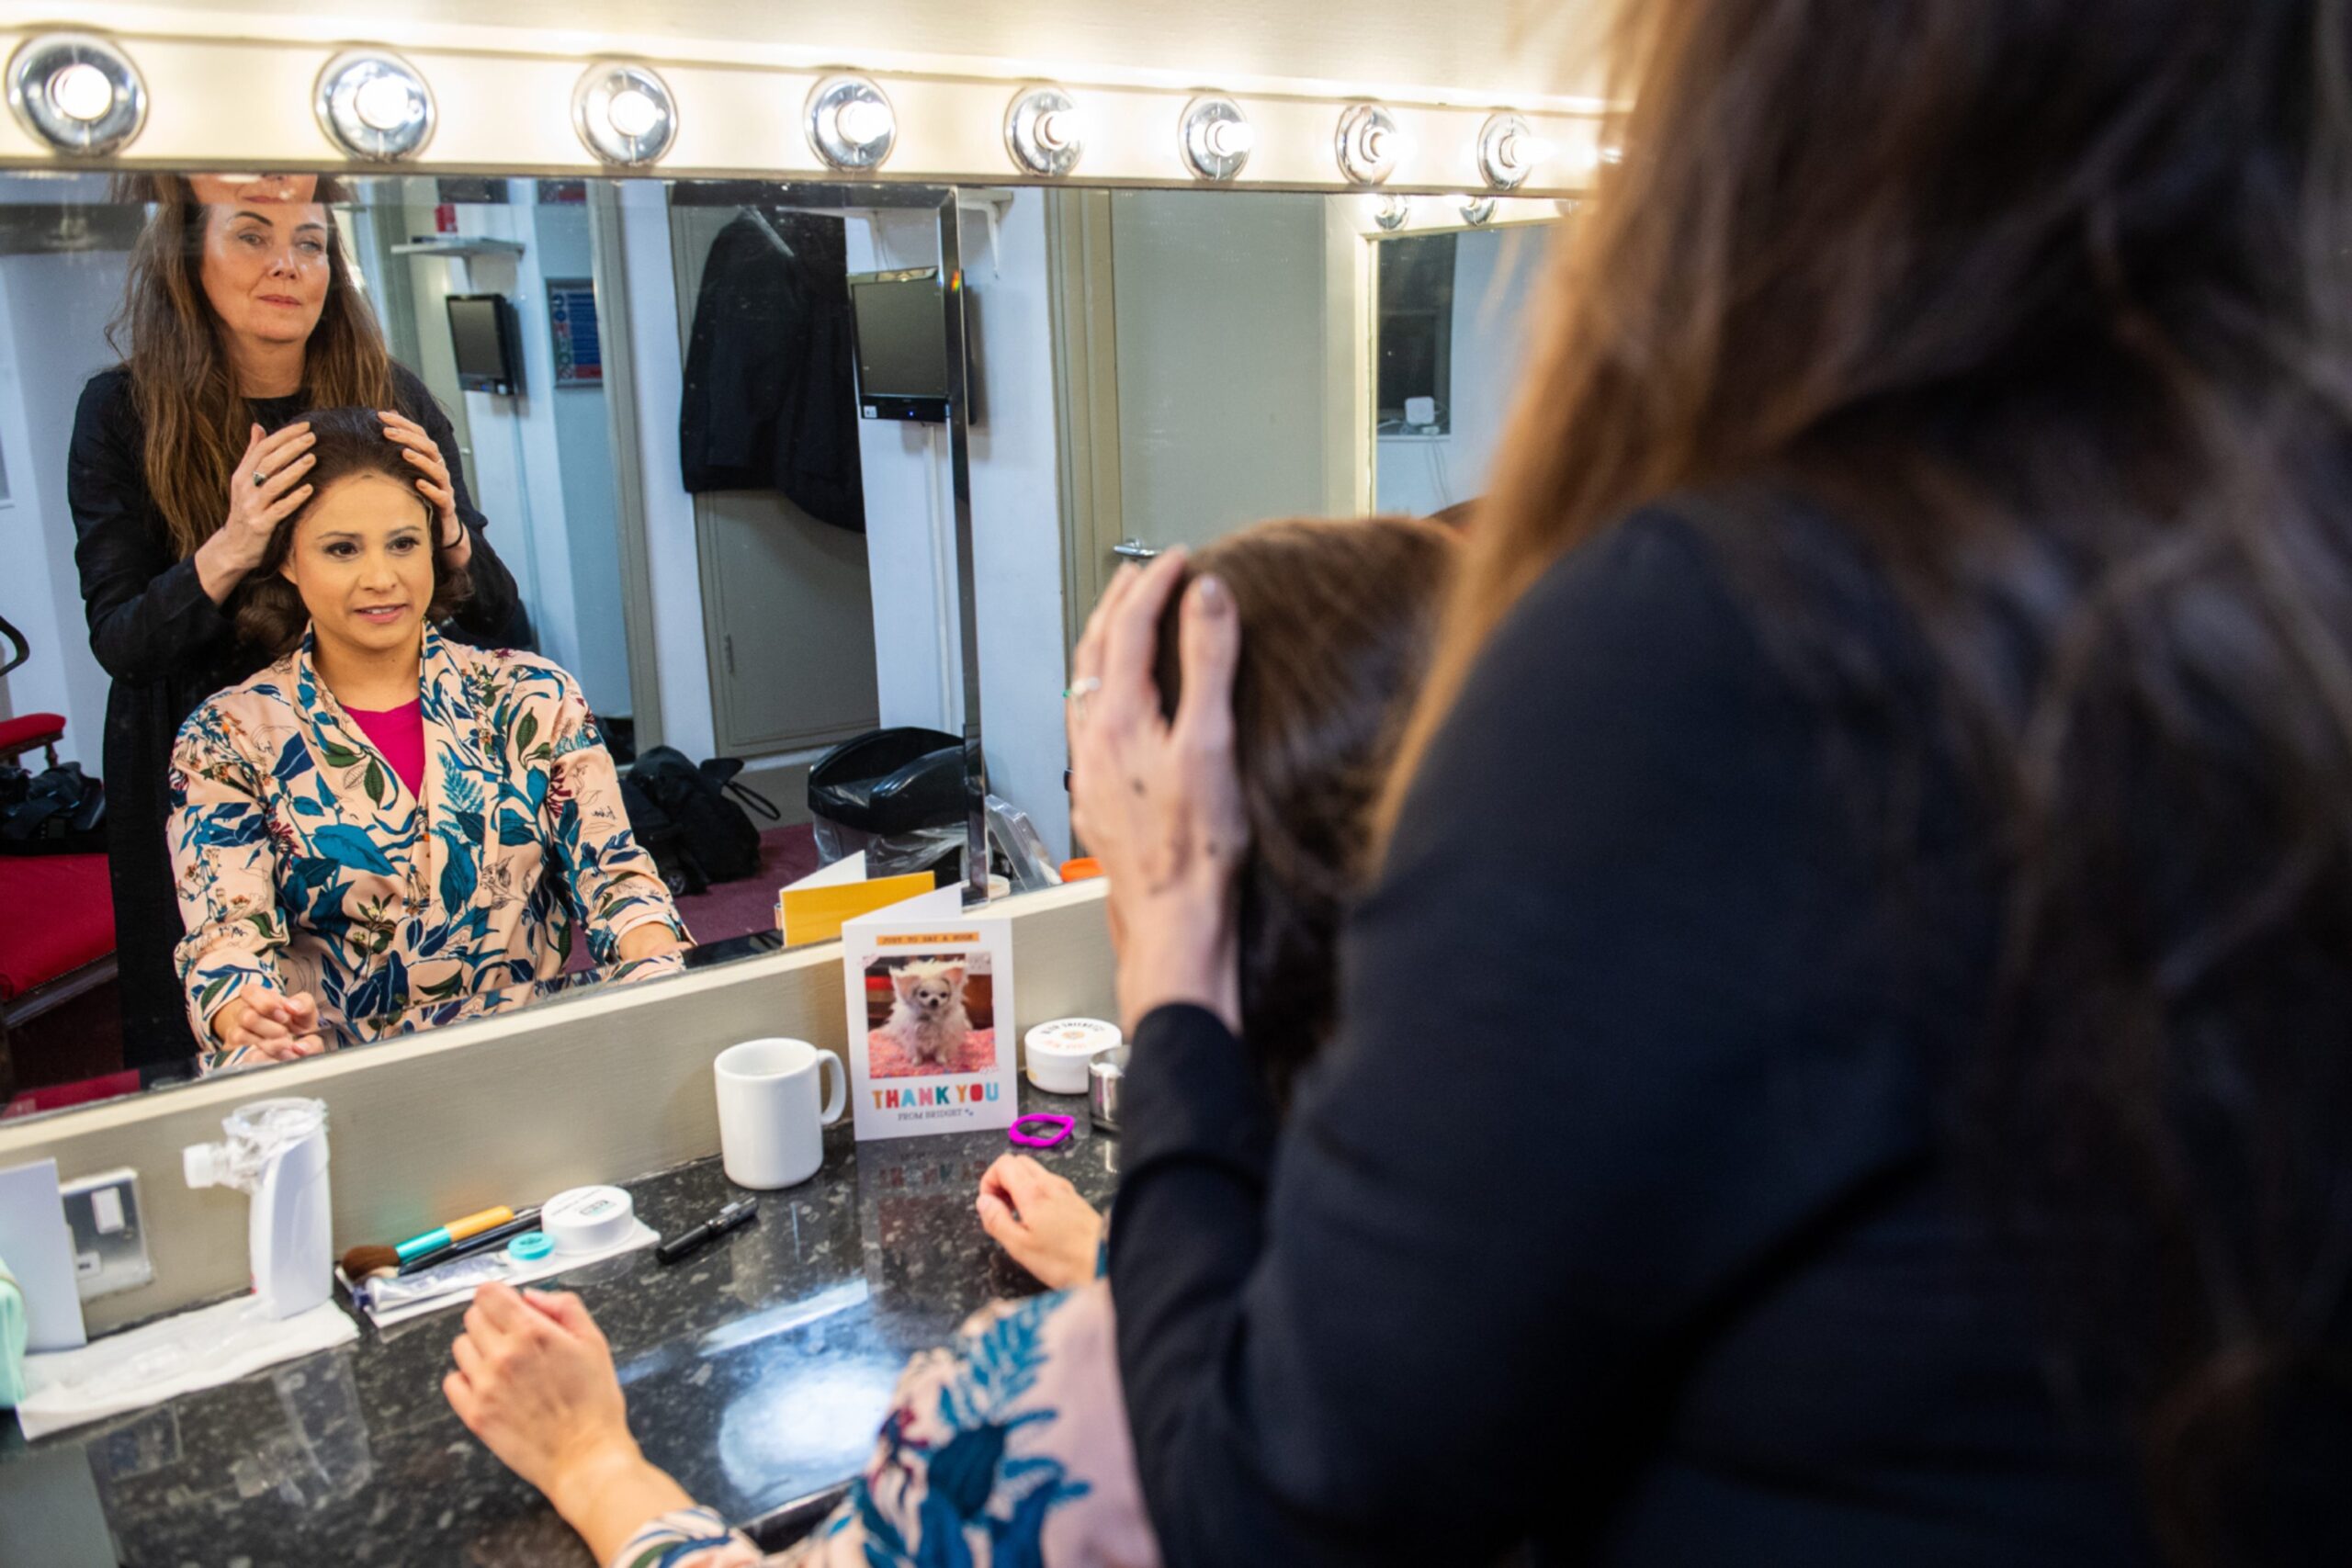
(362, 560)
(266, 267)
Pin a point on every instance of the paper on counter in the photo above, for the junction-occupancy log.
(639, 1234)
(148, 1365)
(38, 1250)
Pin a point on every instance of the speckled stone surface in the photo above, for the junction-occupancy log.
(757, 1371)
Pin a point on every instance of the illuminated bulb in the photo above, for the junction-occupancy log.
(384, 103)
(633, 113)
(1058, 128)
(1232, 139)
(862, 122)
(1523, 152)
(82, 92)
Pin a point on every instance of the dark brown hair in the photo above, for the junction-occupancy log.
(2049, 308)
(348, 443)
(197, 421)
(1337, 620)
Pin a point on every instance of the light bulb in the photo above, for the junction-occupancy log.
(633, 113)
(862, 122)
(383, 103)
(1385, 146)
(1058, 128)
(1232, 139)
(81, 93)
(1522, 152)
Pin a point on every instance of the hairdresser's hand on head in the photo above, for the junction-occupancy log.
(535, 1383)
(433, 483)
(273, 1027)
(267, 489)
(1159, 804)
(1040, 1220)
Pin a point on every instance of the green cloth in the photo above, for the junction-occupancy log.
(12, 1340)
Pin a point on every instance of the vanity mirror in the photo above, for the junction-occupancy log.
(712, 433)
(646, 395)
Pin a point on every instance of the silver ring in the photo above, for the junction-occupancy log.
(261, 478)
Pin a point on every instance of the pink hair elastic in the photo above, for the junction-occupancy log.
(1061, 1125)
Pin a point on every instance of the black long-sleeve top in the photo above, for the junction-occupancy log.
(167, 647)
(1615, 1220)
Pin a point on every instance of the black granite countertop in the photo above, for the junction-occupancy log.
(757, 1371)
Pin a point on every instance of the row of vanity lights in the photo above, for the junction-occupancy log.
(81, 95)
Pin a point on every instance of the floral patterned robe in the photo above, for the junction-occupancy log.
(304, 862)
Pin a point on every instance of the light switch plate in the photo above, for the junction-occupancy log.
(109, 1235)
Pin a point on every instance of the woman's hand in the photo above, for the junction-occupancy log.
(262, 493)
(652, 939)
(273, 1027)
(1159, 804)
(535, 1383)
(1040, 1220)
(433, 481)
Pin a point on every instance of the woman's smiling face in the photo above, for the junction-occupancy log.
(362, 560)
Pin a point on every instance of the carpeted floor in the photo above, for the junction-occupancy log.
(737, 908)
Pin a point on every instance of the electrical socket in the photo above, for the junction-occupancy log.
(109, 1234)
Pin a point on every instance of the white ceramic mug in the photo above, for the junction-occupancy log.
(771, 1129)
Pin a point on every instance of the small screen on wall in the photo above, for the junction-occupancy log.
(901, 337)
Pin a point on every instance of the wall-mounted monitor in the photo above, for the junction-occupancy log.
(488, 343)
(900, 321)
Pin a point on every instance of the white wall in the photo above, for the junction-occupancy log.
(1495, 275)
(53, 311)
(672, 567)
(910, 517)
(1016, 518)
(585, 476)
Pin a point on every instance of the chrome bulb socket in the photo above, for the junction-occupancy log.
(76, 93)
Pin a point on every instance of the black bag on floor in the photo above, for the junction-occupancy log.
(60, 812)
(696, 829)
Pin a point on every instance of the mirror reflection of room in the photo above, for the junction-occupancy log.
(628, 416)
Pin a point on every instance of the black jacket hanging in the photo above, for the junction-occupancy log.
(771, 395)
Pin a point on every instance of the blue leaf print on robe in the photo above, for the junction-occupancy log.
(514, 828)
(293, 761)
(458, 875)
(231, 827)
(353, 847)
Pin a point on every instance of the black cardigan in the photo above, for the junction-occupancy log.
(1612, 1221)
(167, 647)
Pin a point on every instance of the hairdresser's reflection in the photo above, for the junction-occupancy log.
(383, 820)
(238, 317)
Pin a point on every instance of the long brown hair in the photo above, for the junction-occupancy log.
(347, 443)
(2045, 308)
(1337, 620)
(181, 381)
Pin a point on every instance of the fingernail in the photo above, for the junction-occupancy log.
(1214, 597)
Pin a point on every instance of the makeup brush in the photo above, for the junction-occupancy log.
(362, 1261)
(481, 1241)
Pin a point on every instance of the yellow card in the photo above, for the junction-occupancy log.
(815, 914)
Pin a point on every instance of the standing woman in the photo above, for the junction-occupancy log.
(1846, 1062)
(239, 315)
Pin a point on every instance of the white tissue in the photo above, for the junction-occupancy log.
(145, 1366)
(468, 1274)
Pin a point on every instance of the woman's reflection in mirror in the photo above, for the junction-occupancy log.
(382, 820)
(240, 315)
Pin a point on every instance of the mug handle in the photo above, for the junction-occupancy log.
(837, 1102)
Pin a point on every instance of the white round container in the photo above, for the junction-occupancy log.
(584, 1219)
(1059, 1051)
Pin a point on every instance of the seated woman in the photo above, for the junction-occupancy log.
(1012, 1445)
(382, 820)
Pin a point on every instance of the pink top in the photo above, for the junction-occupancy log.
(399, 734)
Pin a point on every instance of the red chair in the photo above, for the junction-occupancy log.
(56, 911)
